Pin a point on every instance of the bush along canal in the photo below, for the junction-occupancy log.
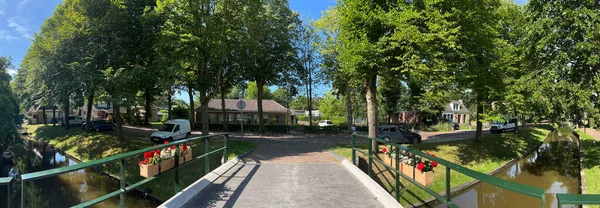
(63, 190)
(553, 166)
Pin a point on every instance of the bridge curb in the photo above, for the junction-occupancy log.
(380, 194)
(181, 198)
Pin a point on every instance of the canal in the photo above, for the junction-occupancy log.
(554, 167)
(63, 190)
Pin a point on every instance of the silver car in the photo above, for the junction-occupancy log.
(398, 134)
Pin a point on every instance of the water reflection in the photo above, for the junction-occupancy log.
(63, 190)
(554, 166)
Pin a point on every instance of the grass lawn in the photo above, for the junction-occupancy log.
(591, 163)
(463, 126)
(491, 152)
(92, 146)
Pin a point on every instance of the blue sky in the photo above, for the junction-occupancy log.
(20, 19)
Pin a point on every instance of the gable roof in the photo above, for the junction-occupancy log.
(269, 106)
(449, 107)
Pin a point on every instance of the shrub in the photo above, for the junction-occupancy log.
(442, 126)
(302, 118)
(324, 130)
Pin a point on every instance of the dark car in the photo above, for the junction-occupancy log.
(100, 125)
(455, 125)
(398, 134)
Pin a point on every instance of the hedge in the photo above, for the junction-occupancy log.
(247, 128)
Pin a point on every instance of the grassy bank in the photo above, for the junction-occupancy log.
(91, 146)
(493, 151)
(591, 163)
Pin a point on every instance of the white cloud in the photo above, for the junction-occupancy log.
(23, 3)
(4, 35)
(11, 71)
(18, 23)
(1, 13)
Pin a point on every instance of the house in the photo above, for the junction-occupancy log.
(104, 110)
(273, 112)
(457, 112)
(36, 114)
(404, 117)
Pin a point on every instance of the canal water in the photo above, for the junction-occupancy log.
(63, 190)
(554, 167)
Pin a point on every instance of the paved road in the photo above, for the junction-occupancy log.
(288, 171)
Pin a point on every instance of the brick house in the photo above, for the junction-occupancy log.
(456, 111)
(273, 112)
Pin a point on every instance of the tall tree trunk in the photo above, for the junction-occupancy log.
(88, 114)
(310, 101)
(53, 115)
(192, 110)
(44, 115)
(66, 112)
(478, 120)
(309, 106)
(169, 103)
(371, 86)
(204, 109)
(223, 109)
(348, 104)
(147, 107)
(119, 120)
(261, 123)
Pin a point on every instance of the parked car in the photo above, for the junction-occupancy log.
(100, 125)
(73, 121)
(172, 130)
(509, 124)
(325, 123)
(398, 134)
(455, 125)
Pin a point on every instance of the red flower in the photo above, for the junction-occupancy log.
(384, 150)
(434, 163)
(154, 145)
(173, 147)
(156, 152)
(420, 166)
(428, 153)
(184, 148)
(433, 155)
(166, 142)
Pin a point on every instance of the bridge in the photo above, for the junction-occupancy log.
(284, 172)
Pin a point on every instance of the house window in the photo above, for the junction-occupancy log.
(456, 107)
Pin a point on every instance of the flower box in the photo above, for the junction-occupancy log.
(424, 178)
(186, 157)
(148, 171)
(166, 165)
(390, 161)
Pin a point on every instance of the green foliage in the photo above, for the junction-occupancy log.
(332, 106)
(252, 92)
(324, 130)
(9, 108)
(443, 126)
(281, 96)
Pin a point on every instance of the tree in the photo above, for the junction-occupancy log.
(189, 29)
(252, 91)
(281, 96)
(268, 49)
(308, 42)
(9, 108)
(331, 106)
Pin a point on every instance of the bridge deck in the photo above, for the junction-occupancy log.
(252, 184)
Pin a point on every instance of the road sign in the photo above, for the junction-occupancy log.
(241, 105)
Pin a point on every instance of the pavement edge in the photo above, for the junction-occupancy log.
(181, 198)
(381, 194)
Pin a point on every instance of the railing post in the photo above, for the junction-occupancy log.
(225, 154)
(207, 158)
(123, 184)
(176, 179)
(447, 184)
(414, 165)
(8, 191)
(370, 168)
(22, 193)
(397, 157)
(354, 149)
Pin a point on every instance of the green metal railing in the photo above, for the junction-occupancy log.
(7, 181)
(122, 173)
(578, 199)
(508, 185)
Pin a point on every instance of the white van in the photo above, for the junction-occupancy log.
(500, 127)
(172, 130)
